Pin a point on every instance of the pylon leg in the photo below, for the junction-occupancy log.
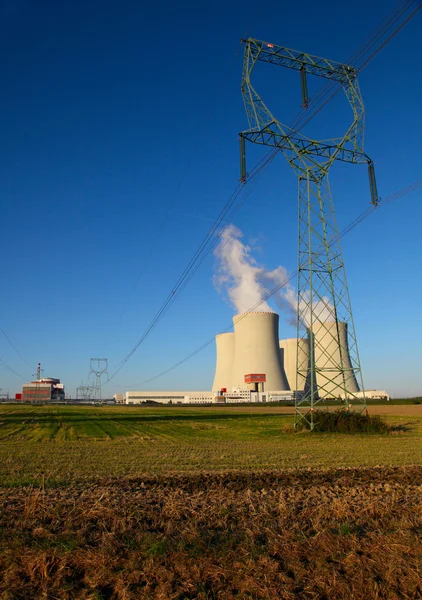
(332, 369)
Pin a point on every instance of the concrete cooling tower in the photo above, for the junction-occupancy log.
(256, 350)
(332, 360)
(288, 355)
(225, 355)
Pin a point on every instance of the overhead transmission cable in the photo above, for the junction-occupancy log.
(418, 6)
(233, 205)
(6, 366)
(364, 215)
(358, 58)
(14, 347)
(206, 246)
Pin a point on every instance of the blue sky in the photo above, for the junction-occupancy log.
(119, 126)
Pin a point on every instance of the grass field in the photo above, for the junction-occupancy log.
(62, 443)
(162, 503)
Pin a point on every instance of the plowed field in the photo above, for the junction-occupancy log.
(326, 534)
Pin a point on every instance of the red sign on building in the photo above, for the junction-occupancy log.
(255, 378)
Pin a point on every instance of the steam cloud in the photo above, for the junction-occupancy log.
(247, 283)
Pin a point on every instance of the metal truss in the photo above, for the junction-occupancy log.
(325, 317)
(324, 312)
(84, 392)
(98, 367)
(292, 59)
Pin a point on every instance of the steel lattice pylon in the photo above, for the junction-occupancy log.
(324, 313)
(84, 392)
(98, 367)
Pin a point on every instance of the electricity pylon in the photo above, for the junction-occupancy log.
(84, 392)
(324, 313)
(98, 367)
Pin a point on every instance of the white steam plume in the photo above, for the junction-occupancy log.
(247, 282)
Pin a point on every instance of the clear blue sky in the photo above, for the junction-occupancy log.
(112, 112)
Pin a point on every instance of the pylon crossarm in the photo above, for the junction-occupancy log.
(265, 129)
(303, 147)
(292, 59)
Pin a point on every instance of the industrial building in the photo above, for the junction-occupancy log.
(252, 356)
(248, 364)
(288, 355)
(222, 397)
(253, 348)
(170, 397)
(119, 398)
(43, 389)
(253, 365)
(47, 389)
(374, 395)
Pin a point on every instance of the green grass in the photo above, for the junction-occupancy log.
(57, 444)
(74, 423)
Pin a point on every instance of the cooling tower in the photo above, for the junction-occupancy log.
(334, 370)
(223, 370)
(288, 353)
(256, 350)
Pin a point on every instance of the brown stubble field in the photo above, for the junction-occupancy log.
(161, 504)
(341, 534)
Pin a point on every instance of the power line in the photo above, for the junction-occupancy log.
(357, 58)
(411, 188)
(206, 246)
(6, 366)
(14, 347)
(392, 34)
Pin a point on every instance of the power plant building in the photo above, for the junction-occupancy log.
(236, 396)
(289, 360)
(225, 354)
(256, 350)
(253, 365)
(253, 350)
(47, 389)
(249, 361)
(167, 397)
(334, 371)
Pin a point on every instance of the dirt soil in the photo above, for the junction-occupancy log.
(312, 534)
(407, 410)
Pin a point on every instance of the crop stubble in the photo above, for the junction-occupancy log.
(344, 534)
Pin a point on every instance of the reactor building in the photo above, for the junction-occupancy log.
(46, 389)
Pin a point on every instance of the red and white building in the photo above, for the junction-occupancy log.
(47, 389)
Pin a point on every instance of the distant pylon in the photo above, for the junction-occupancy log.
(84, 392)
(98, 367)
